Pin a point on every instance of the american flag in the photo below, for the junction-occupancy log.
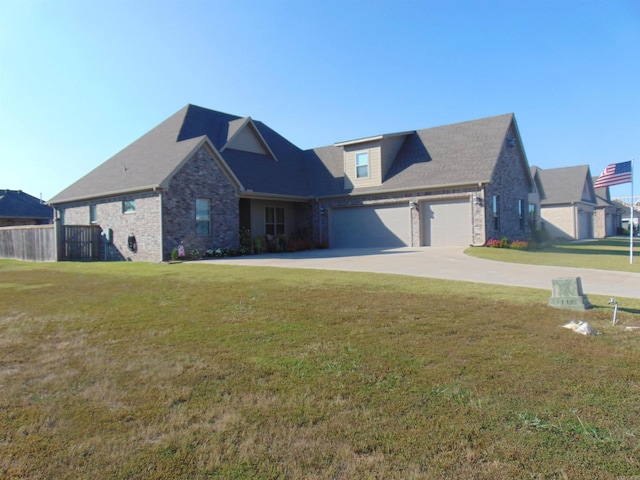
(614, 174)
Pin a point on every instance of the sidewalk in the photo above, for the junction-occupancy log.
(448, 263)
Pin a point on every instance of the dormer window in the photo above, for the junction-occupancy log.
(362, 165)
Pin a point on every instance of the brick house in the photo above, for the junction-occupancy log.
(568, 201)
(202, 175)
(607, 216)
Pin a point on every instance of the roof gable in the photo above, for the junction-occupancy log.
(566, 185)
(243, 135)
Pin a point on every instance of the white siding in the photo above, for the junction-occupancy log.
(247, 141)
(375, 176)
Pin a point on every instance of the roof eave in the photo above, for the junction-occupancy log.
(272, 196)
(114, 193)
(444, 186)
(375, 138)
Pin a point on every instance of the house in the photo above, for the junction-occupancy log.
(19, 208)
(567, 201)
(201, 176)
(607, 216)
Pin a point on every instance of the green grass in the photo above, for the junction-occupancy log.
(130, 370)
(608, 254)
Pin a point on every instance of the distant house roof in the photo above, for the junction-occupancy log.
(18, 204)
(603, 198)
(458, 154)
(564, 185)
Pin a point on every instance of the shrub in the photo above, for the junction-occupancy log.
(174, 254)
(519, 245)
(258, 244)
(194, 254)
(245, 238)
(494, 243)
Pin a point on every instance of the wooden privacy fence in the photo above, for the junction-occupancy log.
(39, 243)
(80, 242)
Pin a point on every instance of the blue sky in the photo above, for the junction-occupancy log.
(81, 79)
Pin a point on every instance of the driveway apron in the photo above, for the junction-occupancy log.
(448, 263)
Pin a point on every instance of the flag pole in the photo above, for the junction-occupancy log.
(631, 219)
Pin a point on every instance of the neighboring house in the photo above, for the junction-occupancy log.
(607, 216)
(19, 208)
(202, 175)
(624, 204)
(567, 201)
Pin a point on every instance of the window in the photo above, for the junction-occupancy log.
(274, 221)
(203, 216)
(495, 204)
(521, 214)
(532, 214)
(362, 165)
(93, 214)
(129, 206)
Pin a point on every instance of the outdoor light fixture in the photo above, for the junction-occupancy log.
(413, 205)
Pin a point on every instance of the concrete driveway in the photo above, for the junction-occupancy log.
(447, 263)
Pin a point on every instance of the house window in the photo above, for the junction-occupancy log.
(362, 165)
(521, 214)
(274, 221)
(129, 206)
(532, 214)
(495, 205)
(93, 214)
(203, 216)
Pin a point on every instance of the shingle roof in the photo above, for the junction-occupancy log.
(17, 204)
(564, 185)
(458, 154)
(144, 164)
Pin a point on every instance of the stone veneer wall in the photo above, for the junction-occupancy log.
(200, 177)
(144, 224)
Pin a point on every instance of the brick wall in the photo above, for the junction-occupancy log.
(143, 224)
(510, 182)
(200, 177)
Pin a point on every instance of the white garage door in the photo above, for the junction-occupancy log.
(446, 223)
(365, 227)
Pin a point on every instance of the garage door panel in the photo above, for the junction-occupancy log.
(367, 227)
(446, 223)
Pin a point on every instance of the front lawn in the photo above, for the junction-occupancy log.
(196, 371)
(608, 254)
